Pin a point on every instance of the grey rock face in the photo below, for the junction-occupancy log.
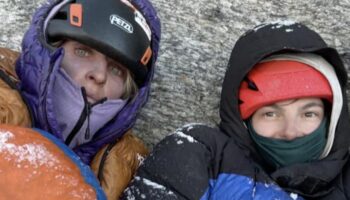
(197, 38)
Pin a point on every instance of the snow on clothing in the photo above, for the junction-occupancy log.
(198, 162)
(37, 69)
(32, 158)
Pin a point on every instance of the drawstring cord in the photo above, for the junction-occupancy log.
(104, 158)
(87, 109)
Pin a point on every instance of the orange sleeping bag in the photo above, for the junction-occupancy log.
(35, 165)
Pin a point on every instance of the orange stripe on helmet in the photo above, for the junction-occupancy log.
(76, 14)
(146, 56)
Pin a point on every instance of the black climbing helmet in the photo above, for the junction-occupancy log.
(113, 27)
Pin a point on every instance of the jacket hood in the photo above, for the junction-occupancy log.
(37, 68)
(251, 48)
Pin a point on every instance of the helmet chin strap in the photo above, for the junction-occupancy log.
(87, 109)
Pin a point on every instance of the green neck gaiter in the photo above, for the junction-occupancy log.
(280, 153)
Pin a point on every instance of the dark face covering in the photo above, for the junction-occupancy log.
(279, 153)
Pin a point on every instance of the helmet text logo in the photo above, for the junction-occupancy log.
(121, 23)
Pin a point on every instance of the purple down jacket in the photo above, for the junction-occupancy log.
(37, 68)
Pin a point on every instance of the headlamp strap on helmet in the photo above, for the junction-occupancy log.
(76, 14)
(146, 56)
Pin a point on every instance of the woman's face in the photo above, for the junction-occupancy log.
(101, 76)
(289, 119)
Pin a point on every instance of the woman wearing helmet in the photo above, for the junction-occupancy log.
(85, 71)
(283, 131)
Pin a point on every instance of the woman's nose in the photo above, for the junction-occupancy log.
(98, 70)
(291, 130)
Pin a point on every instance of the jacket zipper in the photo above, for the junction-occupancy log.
(85, 114)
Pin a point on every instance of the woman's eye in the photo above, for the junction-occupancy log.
(270, 114)
(310, 114)
(81, 52)
(115, 70)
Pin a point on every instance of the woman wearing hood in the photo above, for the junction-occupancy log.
(283, 130)
(85, 71)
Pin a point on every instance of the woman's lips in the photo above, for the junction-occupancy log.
(90, 100)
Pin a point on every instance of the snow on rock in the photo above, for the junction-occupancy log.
(36, 154)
